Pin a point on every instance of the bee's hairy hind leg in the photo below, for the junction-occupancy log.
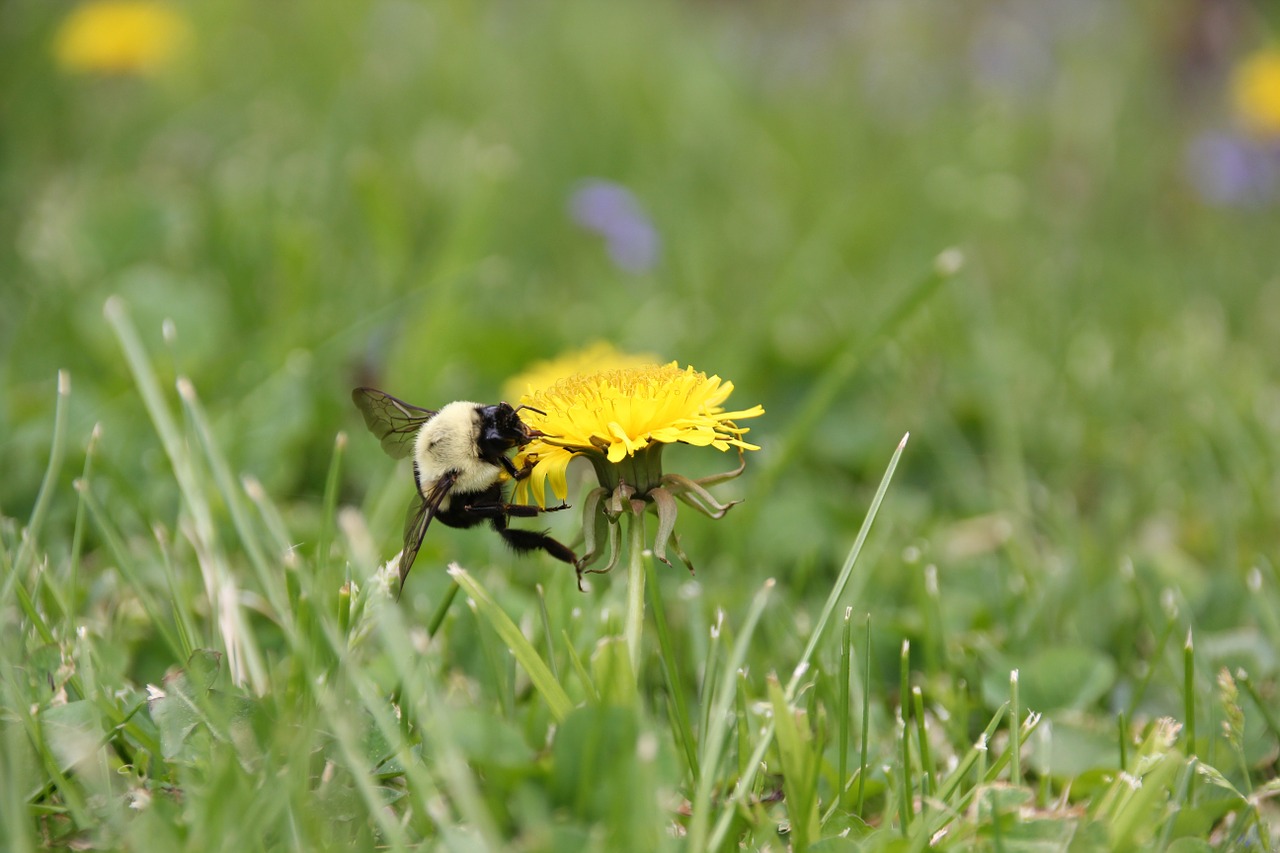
(505, 510)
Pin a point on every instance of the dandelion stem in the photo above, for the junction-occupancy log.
(634, 625)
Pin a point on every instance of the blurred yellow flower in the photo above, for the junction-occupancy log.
(1255, 91)
(120, 37)
(597, 356)
(612, 416)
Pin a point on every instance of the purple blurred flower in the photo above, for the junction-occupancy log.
(1232, 170)
(611, 210)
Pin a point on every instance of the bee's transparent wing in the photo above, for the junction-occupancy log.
(421, 511)
(393, 421)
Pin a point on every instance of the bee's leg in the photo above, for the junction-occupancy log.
(531, 540)
(528, 540)
(510, 468)
(529, 510)
(506, 510)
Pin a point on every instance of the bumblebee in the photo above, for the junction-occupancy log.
(459, 457)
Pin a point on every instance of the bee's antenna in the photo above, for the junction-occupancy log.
(531, 408)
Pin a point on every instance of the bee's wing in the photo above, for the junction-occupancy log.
(421, 511)
(394, 421)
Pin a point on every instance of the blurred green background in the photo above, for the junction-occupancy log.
(389, 192)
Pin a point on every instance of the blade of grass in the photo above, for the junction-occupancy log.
(546, 630)
(922, 735)
(842, 699)
(495, 660)
(29, 610)
(1029, 725)
(15, 814)
(525, 654)
(442, 609)
(1268, 715)
(334, 711)
(713, 742)
(904, 712)
(57, 450)
(244, 658)
(584, 677)
(65, 783)
(976, 752)
(710, 669)
(453, 779)
(1189, 692)
(905, 812)
(800, 765)
(77, 533)
(1132, 802)
(1157, 653)
(125, 565)
(1015, 719)
(1122, 731)
(271, 519)
(671, 670)
(270, 579)
(737, 798)
(328, 510)
(740, 721)
(866, 721)
(182, 616)
(951, 793)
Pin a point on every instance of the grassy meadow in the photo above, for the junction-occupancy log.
(1037, 237)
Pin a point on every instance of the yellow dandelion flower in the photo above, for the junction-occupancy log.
(120, 37)
(600, 355)
(1255, 91)
(611, 416)
(620, 419)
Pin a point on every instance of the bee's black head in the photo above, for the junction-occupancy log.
(501, 429)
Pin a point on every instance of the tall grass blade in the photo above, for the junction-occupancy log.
(447, 774)
(580, 669)
(744, 784)
(125, 564)
(270, 574)
(905, 795)
(800, 763)
(77, 533)
(329, 508)
(671, 670)
(866, 721)
(244, 660)
(442, 610)
(57, 450)
(545, 618)
(713, 741)
(922, 735)
(1122, 735)
(842, 705)
(1015, 719)
(1189, 692)
(525, 654)
(904, 715)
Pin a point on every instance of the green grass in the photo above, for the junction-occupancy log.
(859, 229)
